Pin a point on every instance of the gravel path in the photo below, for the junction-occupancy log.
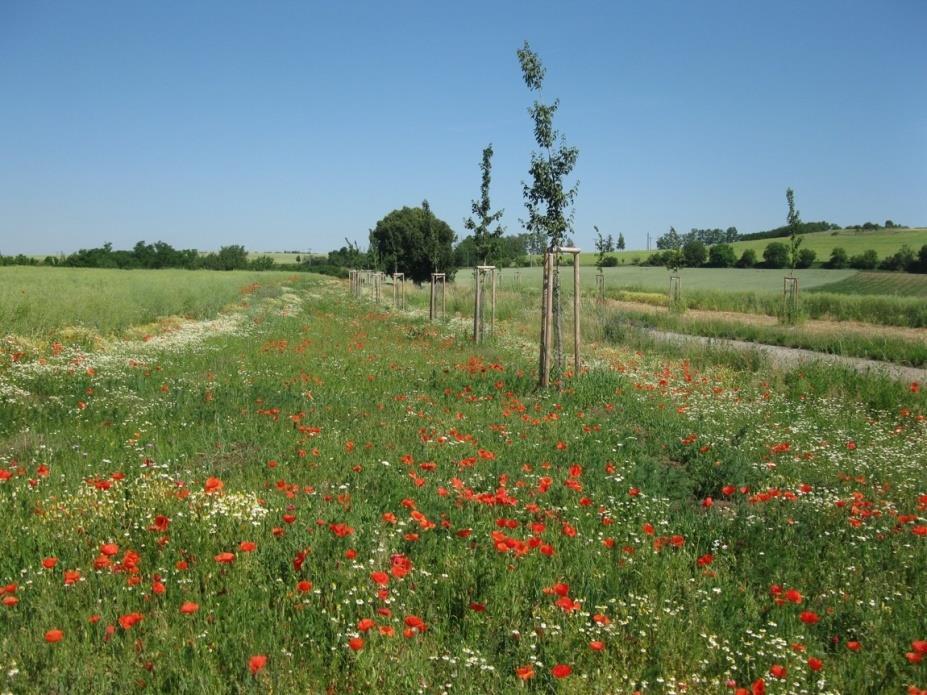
(790, 357)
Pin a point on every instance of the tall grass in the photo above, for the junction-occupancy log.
(39, 302)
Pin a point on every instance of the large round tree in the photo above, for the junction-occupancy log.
(413, 241)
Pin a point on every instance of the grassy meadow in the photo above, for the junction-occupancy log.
(60, 303)
(310, 493)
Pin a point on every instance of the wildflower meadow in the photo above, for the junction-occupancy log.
(308, 492)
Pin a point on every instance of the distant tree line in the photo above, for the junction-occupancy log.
(694, 254)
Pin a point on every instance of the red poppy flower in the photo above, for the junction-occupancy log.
(304, 586)
(415, 623)
(596, 645)
(225, 558)
(356, 644)
(809, 617)
(778, 671)
(815, 664)
(49, 563)
(109, 549)
(257, 662)
(189, 608)
(525, 672)
(854, 646)
(381, 578)
(212, 485)
(561, 670)
(247, 546)
(129, 620)
(365, 624)
(53, 636)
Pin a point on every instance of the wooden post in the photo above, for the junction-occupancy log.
(600, 287)
(479, 275)
(433, 310)
(790, 299)
(492, 324)
(546, 320)
(515, 281)
(675, 295)
(399, 290)
(576, 297)
(477, 305)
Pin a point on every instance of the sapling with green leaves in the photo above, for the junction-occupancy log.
(485, 239)
(547, 199)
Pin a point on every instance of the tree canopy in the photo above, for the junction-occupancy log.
(413, 241)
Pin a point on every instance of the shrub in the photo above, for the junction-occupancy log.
(805, 258)
(609, 262)
(747, 259)
(838, 258)
(721, 256)
(776, 255)
(694, 253)
(922, 260)
(868, 260)
(903, 259)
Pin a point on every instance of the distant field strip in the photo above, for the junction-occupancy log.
(901, 284)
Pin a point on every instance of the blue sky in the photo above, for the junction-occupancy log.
(294, 125)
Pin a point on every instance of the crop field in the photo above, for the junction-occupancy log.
(898, 284)
(91, 303)
(885, 242)
(307, 493)
(656, 279)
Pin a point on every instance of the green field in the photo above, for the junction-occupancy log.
(897, 284)
(885, 241)
(335, 497)
(39, 303)
(656, 279)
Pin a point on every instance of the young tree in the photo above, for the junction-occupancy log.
(485, 240)
(547, 201)
(601, 245)
(620, 245)
(794, 222)
(673, 248)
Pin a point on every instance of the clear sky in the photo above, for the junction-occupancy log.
(293, 125)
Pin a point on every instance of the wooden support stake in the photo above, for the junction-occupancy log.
(547, 319)
(576, 297)
(477, 306)
(492, 321)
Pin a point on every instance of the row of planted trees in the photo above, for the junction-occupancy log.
(548, 200)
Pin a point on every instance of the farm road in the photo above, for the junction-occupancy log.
(789, 357)
(810, 326)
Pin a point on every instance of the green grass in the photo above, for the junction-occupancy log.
(351, 440)
(896, 284)
(873, 346)
(41, 302)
